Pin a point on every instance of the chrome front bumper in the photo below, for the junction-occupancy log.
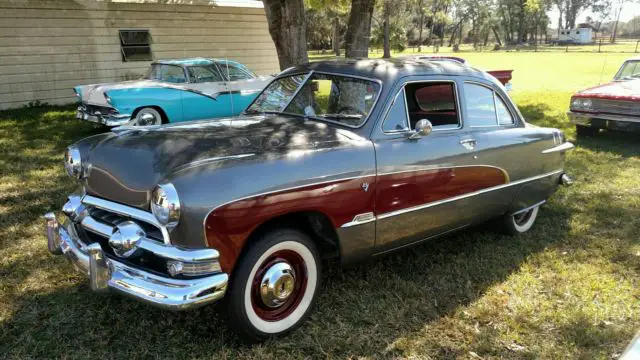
(106, 273)
(105, 119)
(605, 121)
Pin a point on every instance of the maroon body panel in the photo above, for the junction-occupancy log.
(615, 90)
(229, 226)
(414, 188)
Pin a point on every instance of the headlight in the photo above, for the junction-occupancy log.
(165, 205)
(73, 162)
(581, 104)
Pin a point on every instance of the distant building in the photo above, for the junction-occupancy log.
(581, 35)
(47, 47)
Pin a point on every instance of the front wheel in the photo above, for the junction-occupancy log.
(521, 222)
(147, 117)
(585, 131)
(274, 286)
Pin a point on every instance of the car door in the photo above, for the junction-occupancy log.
(496, 136)
(423, 185)
(207, 95)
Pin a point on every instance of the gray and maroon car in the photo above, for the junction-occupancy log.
(343, 159)
(614, 105)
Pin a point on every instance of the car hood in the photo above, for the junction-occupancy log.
(615, 90)
(125, 165)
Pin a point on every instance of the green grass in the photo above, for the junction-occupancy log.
(567, 289)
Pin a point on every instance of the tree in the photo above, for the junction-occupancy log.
(287, 26)
(359, 28)
(334, 11)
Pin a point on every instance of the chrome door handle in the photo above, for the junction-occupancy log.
(468, 144)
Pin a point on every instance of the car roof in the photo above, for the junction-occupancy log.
(195, 61)
(387, 70)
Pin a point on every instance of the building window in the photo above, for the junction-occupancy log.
(135, 45)
(577, 32)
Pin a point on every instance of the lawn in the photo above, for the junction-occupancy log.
(567, 289)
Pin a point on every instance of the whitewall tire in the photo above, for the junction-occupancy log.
(147, 117)
(274, 286)
(521, 222)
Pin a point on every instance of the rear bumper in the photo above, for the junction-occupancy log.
(106, 273)
(83, 113)
(605, 121)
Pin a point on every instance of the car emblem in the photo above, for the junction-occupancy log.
(365, 186)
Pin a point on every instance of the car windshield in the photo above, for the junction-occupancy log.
(630, 70)
(335, 98)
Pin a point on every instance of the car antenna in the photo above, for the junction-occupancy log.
(604, 62)
(226, 62)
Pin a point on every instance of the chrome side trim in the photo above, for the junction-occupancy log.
(436, 167)
(210, 160)
(127, 211)
(459, 197)
(529, 208)
(360, 219)
(563, 147)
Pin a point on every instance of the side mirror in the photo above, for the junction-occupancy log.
(423, 128)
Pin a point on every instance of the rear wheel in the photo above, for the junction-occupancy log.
(274, 286)
(586, 130)
(519, 223)
(146, 117)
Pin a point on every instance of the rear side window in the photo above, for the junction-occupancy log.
(203, 74)
(173, 74)
(484, 107)
(235, 72)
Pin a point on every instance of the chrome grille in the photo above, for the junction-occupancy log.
(616, 107)
(112, 219)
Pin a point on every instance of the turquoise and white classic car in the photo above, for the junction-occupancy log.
(172, 91)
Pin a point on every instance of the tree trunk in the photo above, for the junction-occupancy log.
(336, 36)
(495, 32)
(359, 29)
(615, 26)
(387, 50)
(421, 25)
(287, 26)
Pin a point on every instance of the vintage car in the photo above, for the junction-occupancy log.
(339, 159)
(613, 106)
(172, 91)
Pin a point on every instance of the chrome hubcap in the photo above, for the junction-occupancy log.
(277, 284)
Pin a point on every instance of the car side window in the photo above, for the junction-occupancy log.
(203, 74)
(396, 119)
(504, 116)
(173, 74)
(485, 107)
(434, 101)
(480, 105)
(235, 72)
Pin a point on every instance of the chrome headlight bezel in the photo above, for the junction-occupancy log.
(165, 205)
(73, 162)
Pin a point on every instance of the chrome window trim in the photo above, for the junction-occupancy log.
(497, 124)
(460, 197)
(129, 211)
(406, 107)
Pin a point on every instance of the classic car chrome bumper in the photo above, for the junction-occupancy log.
(605, 121)
(105, 272)
(85, 113)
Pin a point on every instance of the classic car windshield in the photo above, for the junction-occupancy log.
(341, 99)
(630, 70)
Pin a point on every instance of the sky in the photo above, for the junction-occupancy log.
(628, 12)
